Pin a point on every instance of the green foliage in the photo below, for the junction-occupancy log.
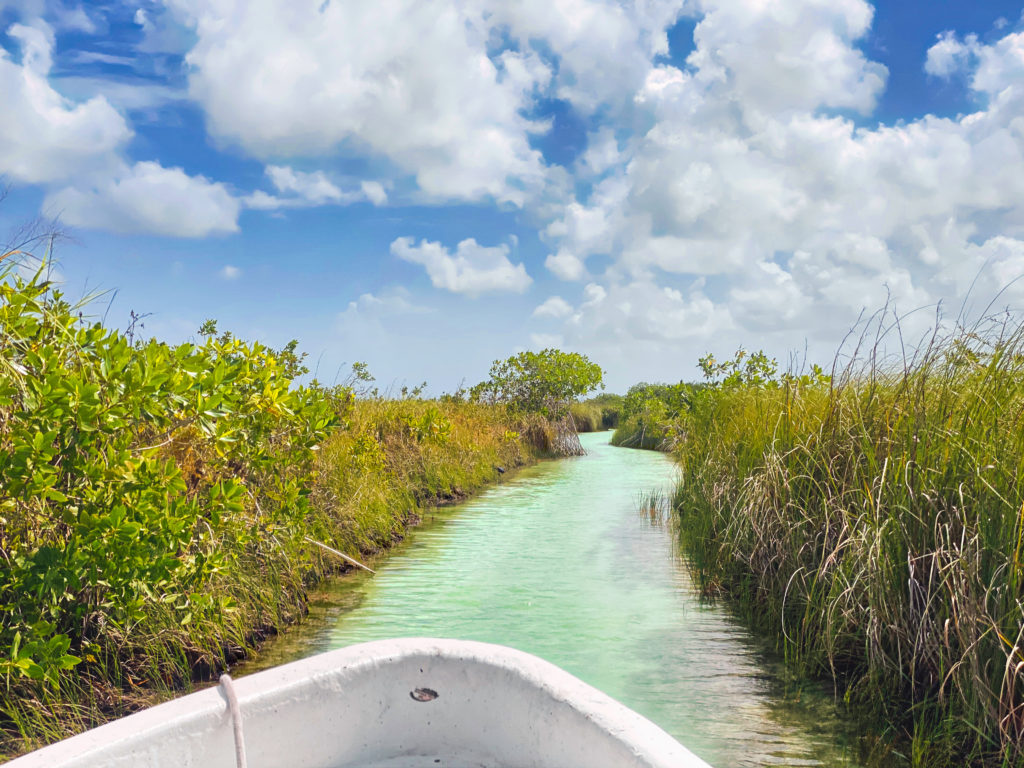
(598, 413)
(393, 457)
(133, 476)
(744, 370)
(156, 501)
(543, 382)
(754, 370)
(649, 413)
(653, 415)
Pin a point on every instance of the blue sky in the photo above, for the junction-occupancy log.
(428, 187)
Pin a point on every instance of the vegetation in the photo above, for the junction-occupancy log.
(872, 522)
(598, 413)
(390, 459)
(649, 415)
(159, 505)
(543, 384)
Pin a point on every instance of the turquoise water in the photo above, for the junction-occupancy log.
(559, 562)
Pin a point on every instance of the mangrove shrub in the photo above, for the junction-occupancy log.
(544, 382)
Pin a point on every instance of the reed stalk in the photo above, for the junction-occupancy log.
(872, 521)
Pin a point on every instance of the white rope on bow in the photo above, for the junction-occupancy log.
(228, 687)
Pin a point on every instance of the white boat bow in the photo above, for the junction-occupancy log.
(386, 704)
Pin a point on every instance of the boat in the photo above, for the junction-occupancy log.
(403, 703)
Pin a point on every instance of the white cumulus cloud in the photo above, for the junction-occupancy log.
(148, 198)
(314, 188)
(473, 268)
(392, 301)
(750, 212)
(949, 55)
(46, 137)
(565, 265)
(75, 149)
(303, 189)
(407, 81)
(795, 55)
(555, 306)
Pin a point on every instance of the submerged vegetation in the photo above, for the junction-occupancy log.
(161, 506)
(872, 521)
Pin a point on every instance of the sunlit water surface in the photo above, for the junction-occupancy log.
(559, 562)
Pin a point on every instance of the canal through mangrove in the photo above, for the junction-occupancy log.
(560, 561)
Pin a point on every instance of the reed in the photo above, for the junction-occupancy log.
(872, 522)
(654, 507)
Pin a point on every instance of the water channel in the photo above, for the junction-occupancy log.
(558, 561)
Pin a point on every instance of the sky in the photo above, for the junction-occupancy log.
(429, 186)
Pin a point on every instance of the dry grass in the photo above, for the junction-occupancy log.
(397, 456)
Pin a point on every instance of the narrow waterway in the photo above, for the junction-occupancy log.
(559, 562)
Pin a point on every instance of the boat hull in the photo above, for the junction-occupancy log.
(386, 704)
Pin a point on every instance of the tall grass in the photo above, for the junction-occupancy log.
(873, 523)
(396, 457)
(596, 414)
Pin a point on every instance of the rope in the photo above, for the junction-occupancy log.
(236, 719)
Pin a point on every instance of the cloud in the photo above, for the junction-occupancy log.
(47, 138)
(142, 19)
(726, 198)
(995, 67)
(373, 320)
(374, 192)
(76, 19)
(949, 55)
(645, 312)
(392, 301)
(473, 269)
(546, 340)
(585, 36)
(300, 189)
(585, 230)
(75, 151)
(602, 152)
(442, 94)
(230, 272)
(794, 56)
(1000, 66)
(146, 197)
(408, 82)
(555, 306)
(97, 57)
(125, 95)
(314, 188)
(749, 212)
(565, 265)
